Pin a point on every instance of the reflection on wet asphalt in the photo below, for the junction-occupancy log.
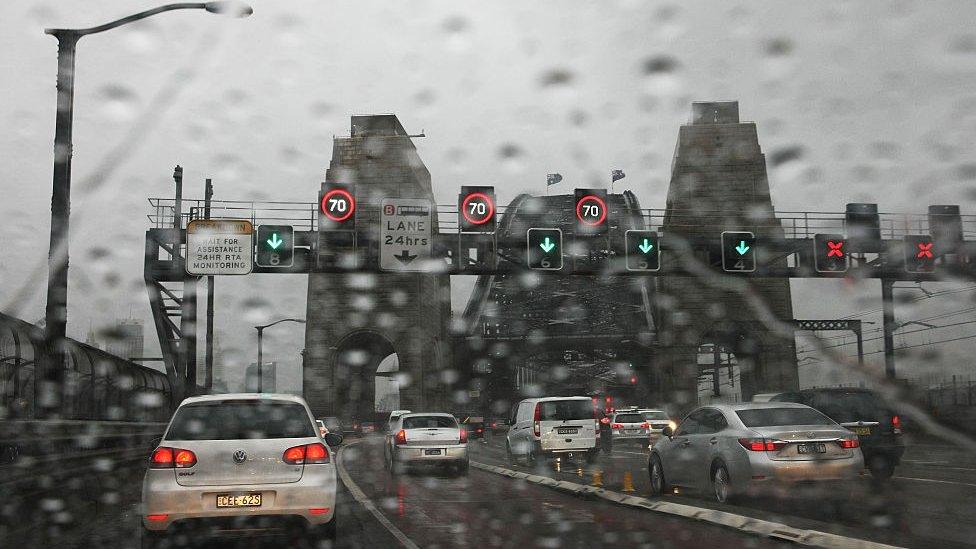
(436, 509)
(485, 510)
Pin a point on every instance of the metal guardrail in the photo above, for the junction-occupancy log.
(794, 224)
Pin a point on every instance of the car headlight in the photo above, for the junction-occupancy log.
(672, 425)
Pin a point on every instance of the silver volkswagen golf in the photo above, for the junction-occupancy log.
(239, 463)
(755, 448)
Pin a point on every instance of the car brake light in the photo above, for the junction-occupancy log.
(645, 425)
(605, 420)
(462, 437)
(162, 458)
(306, 454)
(537, 419)
(157, 518)
(849, 443)
(494, 425)
(318, 510)
(896, 424)
(761, 444)
(400, 437)
(184, 458)
(617, 426)
(169, 458)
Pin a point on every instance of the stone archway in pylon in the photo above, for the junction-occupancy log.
(357, 375)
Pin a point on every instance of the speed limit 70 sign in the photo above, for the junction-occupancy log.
(337, 206)
(591, 211)
(476, 209)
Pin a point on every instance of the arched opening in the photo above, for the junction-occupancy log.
(719, 374)
(364, 375)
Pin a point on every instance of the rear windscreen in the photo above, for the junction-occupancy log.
(429, 422)
(561, 410)
(655, 416)
(775, 417)
(240, 419)
(852, 406)
(629, 418)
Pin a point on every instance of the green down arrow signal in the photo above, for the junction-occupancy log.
(547, 245)
(742, 248)
(646, 246)
(275, 241)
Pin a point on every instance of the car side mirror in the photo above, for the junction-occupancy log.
(333, 439)
(667, 431)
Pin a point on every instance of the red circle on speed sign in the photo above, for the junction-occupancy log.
(343, 195)
(599, 204)
(489, 208)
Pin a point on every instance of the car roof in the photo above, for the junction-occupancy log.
(550, 399)
(244, 396)
(415, 414)
(753, 406)
(837, 390)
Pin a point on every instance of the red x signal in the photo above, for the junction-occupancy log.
(924, 250)
(835, 249)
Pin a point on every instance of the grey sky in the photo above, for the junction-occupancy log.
(878, 96)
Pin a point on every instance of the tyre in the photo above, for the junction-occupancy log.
(153, 540)
(508, 453)
(655, 470)
(881, 468)
(721, 484)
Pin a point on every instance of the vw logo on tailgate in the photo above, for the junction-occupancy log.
(240, 456)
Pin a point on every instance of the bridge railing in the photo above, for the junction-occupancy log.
(794, 224)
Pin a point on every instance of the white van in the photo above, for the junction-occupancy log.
(553, 427)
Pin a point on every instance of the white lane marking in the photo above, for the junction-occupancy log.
(364, 500)
(732, 520)
(937, 481)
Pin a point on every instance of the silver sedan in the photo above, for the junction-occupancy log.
(427, 439)
(751, 448)
(244, 462)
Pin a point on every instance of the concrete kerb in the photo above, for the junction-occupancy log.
(734, 521)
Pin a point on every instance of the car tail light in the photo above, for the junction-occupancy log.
(617, 426)
(537, 419)
(849, 443)
(400, 437)
(494, 425)
(761, 444)
(157, 518)
(306, 454)
(645, 425)
(318, 510)
(462, 438)
(170, 458)
(896, 424)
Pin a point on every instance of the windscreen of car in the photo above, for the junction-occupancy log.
(629, 418)
(775, 417)
(848, 406)
(655, 416)
(562, 410)
(241, 419)
(429, 422)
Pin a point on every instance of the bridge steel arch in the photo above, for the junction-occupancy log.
(571, 333)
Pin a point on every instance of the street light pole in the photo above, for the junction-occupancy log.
(56, 309)
(260, 330)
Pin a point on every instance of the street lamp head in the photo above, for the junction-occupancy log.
(229, 7)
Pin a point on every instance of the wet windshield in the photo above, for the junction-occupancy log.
(522, 223)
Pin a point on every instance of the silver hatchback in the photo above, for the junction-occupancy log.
(240, 462)
(755, 448)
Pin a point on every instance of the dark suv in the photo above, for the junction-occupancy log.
(865, 413)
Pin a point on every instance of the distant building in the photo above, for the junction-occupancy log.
(268, 373)
(126, 339)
